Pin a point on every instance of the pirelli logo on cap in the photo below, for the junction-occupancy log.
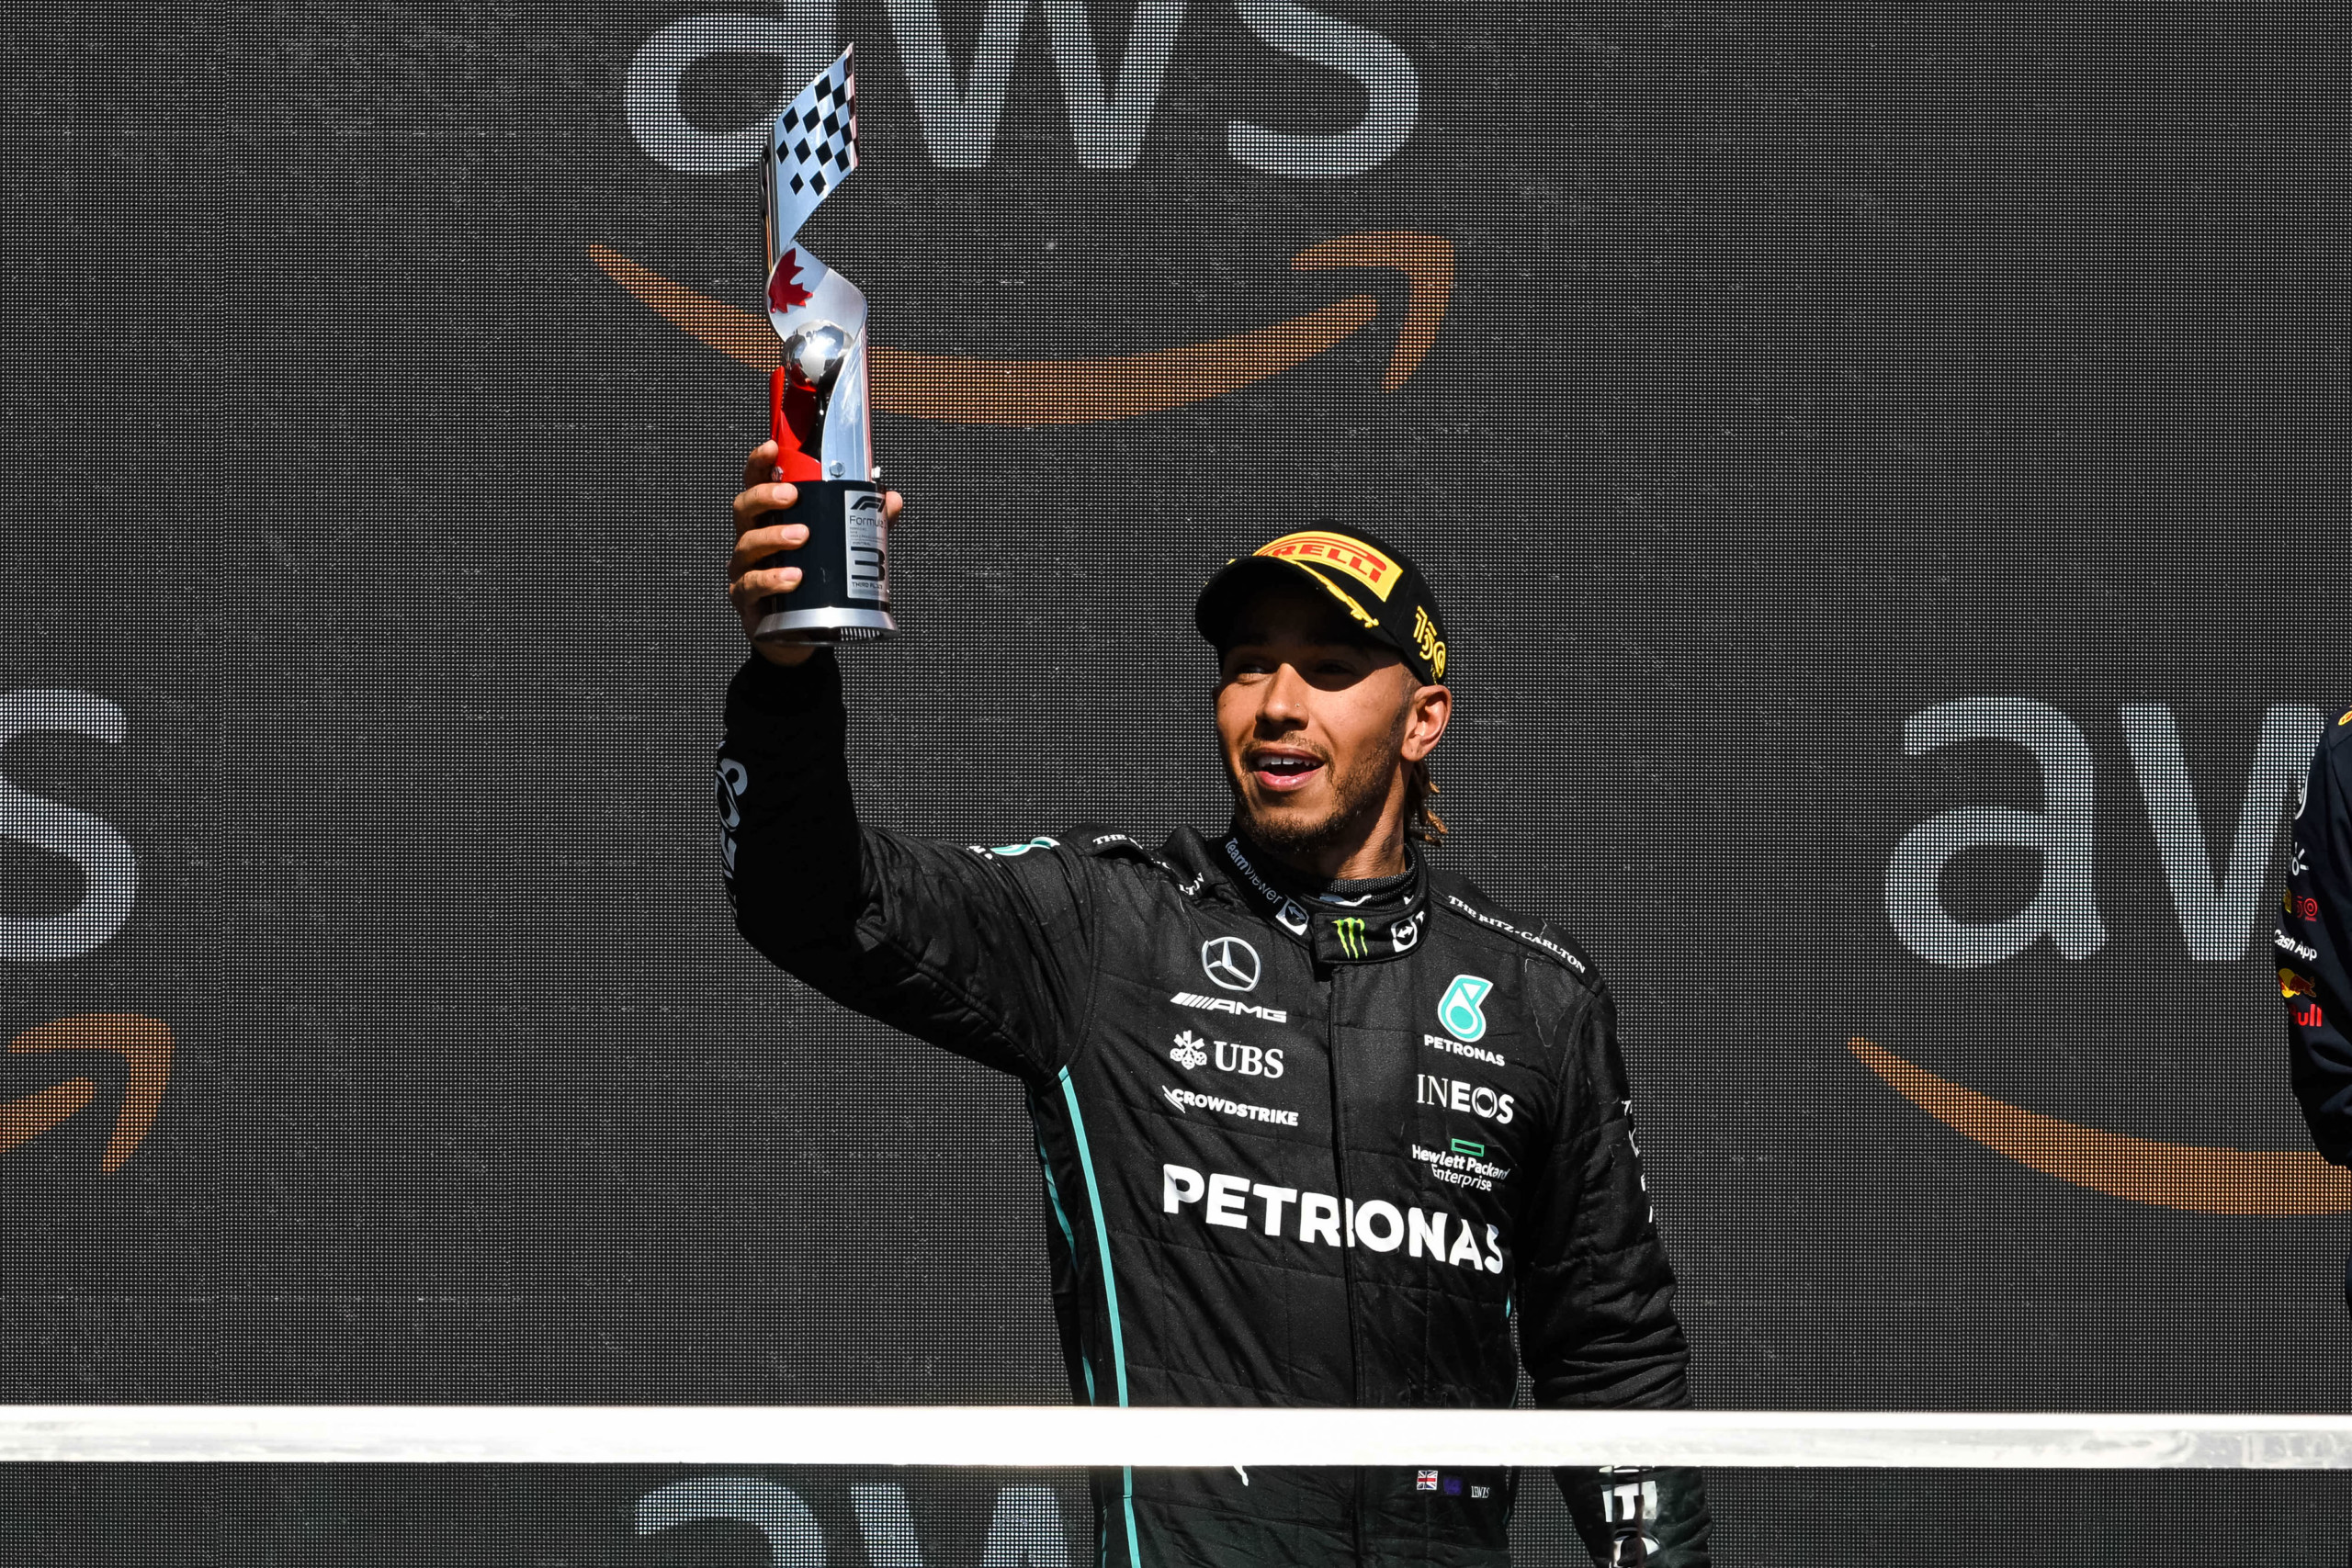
(1340, 553)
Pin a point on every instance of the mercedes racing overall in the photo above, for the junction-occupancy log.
(1292, 1154)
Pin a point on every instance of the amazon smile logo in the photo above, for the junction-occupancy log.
(145, 1046)
(1122, 386)
(2194, 1176)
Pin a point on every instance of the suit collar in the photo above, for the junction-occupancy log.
(1333, 932)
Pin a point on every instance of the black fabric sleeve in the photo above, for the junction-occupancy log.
(1597, 1323)
(2314, 942)
(983, 953)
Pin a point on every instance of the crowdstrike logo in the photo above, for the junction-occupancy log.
(1318, 1217)
(1182, 1099)
(1231, 962)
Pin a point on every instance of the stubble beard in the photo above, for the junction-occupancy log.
(1355, 794)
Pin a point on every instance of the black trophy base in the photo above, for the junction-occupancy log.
(845, 592)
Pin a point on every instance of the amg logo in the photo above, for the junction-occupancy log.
(1227, 1004)
(1456, 1094)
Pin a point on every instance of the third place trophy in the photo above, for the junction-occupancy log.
(816, 397)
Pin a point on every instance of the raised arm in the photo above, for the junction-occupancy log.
(985, 952)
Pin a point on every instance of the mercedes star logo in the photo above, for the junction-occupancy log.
(1231, 963)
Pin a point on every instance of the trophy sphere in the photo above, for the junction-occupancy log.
(815, 353)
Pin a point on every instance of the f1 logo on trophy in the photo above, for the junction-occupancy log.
(816, 397)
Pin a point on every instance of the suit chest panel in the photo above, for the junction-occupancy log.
(1210, 1061)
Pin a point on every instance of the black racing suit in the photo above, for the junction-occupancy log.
(2314, 941)
(1292, 1156)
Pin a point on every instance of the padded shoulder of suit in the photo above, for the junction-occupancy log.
(1463, 897)
(1095, 841)
(1107, 844)
(1086, 839)
(2338, 738)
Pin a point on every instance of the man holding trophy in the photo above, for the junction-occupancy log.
(1319, 1124)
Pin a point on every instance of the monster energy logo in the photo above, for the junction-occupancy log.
(1351, 934)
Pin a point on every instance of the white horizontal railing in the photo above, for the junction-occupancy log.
(1013, 1437)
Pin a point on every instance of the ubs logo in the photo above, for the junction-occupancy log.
(1231, 962)
(1248, 1061)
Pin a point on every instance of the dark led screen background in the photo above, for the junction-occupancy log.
(1884, 471)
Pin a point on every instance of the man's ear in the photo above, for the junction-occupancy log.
(1425, 721)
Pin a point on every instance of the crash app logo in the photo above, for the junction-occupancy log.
(960, 99)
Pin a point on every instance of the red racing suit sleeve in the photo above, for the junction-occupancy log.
(2314, 942)
(1596, 1303)
(981, 951)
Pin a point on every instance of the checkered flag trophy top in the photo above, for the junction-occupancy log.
(816, 397)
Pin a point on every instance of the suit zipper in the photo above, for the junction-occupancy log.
(1347, 1245)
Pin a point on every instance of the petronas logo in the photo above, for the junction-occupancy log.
(1459, 1009)
(1350, 931)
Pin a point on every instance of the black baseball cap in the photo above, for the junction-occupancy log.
(1383, 591)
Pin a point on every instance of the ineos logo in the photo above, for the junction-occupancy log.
(1231, 962)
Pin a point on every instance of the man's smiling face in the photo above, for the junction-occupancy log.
(1316, 723)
